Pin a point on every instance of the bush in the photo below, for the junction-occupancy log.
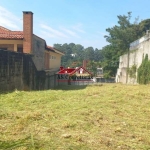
(144, 71)
(132, 71)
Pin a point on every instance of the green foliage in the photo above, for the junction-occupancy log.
(92, 66)
(107, 75)
(110, 60)
(26, 143)
(132, 71)
(144, 26)
(76, 53)
(120, 36)
(144, 71)
(89, 53)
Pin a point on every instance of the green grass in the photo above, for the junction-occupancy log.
(103, 117)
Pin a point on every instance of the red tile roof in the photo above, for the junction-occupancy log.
(71, 71)
(2, 29)
(8, 34)
(50, 48)
(54, 49)
(18, 35)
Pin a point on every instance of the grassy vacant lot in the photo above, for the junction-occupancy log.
(111, 116)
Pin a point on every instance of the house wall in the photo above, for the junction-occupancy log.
(55, 60)
(46, 57)
(138, 49)
(9, 47)
(10, 44)
(38, 52)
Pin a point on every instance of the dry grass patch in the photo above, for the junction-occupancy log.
(109, 116)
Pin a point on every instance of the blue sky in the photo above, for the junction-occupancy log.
(71, 21)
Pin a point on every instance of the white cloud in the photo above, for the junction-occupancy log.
(46, 34)
(53, 32)
(70, 32)
(78, 28)
(8, 19)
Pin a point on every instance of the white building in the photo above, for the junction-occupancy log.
(138, 49)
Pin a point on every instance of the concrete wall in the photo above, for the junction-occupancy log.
(121, 71)
(17, 71)
(50, 82)
(38, 52)
(138, 49)
(11, 71)
(55, 60)
(39, 55)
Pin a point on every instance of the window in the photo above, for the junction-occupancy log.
(3, 48)
(20, 50)
(52, 57)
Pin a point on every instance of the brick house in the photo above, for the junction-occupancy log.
(29, 47)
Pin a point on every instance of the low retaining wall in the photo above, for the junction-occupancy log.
(17, 71)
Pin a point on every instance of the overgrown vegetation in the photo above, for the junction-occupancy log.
(132, 71)
(144, 71)
(108, 116)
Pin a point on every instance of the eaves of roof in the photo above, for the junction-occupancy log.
(55, 50)
(15, 35)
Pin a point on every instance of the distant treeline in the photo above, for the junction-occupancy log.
(119, 38)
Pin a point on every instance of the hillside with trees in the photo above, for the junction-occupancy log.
(76, 53)
(119, 38)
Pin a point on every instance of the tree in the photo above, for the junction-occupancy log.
(92, 66)
(98, 55)
(79, 52)
(144, 26)
(89, 53)
(144, 71)
(120, 36)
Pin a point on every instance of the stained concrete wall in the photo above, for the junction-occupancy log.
(138, 49)
(121, 71)
(11, 71)
(17, 71)
(54, 59)
(38, 52)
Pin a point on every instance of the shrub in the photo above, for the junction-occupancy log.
(144, 71)
(132, 71)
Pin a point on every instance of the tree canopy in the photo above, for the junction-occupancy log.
(76, 53)
(119, 37)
